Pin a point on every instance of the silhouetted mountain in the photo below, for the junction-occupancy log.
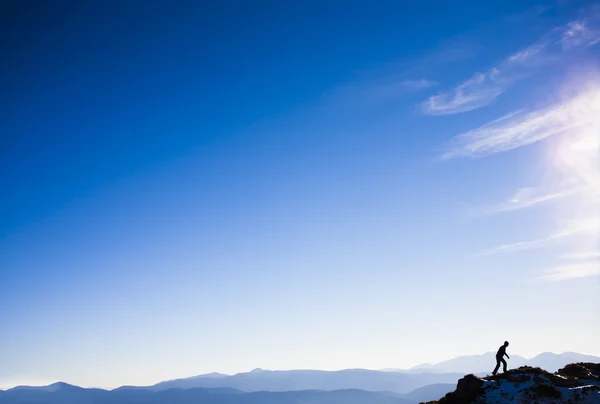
(195, 396)
(50, 388)
(55, 393)
(294, 380)
(552, 362)
(575, 384)
(478, 364)
(469, 364)
(422, 383)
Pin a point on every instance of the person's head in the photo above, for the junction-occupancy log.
(505, 343)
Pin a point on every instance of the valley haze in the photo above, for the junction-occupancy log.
(395, 380)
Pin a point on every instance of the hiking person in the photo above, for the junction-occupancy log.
(500, 358)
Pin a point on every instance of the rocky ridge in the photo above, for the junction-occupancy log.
(577, 383)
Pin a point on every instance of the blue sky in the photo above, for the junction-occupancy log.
(189, 188)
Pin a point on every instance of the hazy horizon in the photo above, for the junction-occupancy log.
(49, 382)
(197, 187)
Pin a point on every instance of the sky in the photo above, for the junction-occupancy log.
(192, 187)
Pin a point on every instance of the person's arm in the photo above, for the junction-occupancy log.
(506, 355)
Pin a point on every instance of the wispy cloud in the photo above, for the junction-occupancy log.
(573, 118)
(519, 129)
(474, 93)
(580, 34)
(572, 229)
(484, 87)
(526, 198)
(586, 255)
(404, 76)
(527, 54)
(400, 78)
(569, 272)
(578, 157)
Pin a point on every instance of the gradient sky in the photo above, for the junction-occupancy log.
(188, 188)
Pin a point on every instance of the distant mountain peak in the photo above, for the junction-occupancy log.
(49, 388)
(546, 354)
(60, 384)
(257, 370)
(421, 366)
(214, 375)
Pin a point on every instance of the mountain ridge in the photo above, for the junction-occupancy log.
(480, 363)
(294, 380)
(397, 381)
(575, 383)
(196, 395)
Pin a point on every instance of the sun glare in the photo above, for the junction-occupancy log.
(578, 159)
(579, 150)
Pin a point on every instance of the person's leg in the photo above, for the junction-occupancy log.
(497, 366)
(504, 365)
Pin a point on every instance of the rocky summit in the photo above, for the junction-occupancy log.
(577, 383)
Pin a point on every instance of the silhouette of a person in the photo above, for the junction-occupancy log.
(500, 358)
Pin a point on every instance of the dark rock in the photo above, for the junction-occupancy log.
(589, 371)
(581, 379)
(468, 387)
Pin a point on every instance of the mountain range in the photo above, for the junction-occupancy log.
(485, 363)
(267, 380)
(398, 381)
(353, 386)
(62, 393)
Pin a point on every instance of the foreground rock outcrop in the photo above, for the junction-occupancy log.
(577, 383)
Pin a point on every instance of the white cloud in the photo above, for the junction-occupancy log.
(574, 120)
(579, 34)
(519, 129)
(526, 198)
(577, 155)
(483, 88)
(472, 94)
(568, 272)
(526, 54)
(585, 255)
(572, 229)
